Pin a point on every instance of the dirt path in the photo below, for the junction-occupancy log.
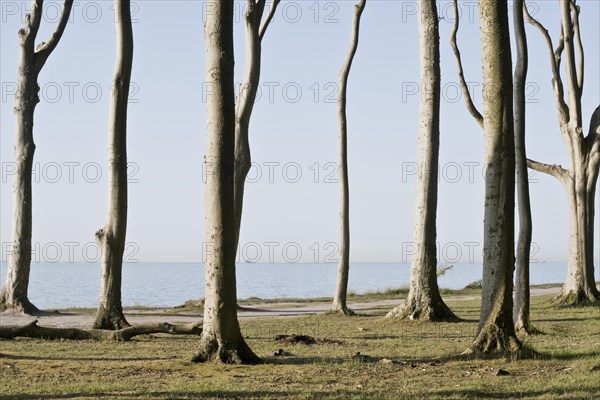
(257, 310)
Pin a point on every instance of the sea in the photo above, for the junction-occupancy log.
(70, 285)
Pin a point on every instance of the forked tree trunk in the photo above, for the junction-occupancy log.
(246, 99)
(522, 295)
(341, 292)
(111, 238)
(424, 300)
(581, 178)
(496, 329)
(221, 336)
(14, 293)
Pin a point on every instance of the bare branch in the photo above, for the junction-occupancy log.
(461, 76)
(556, 171)
(34, 18)
(571, 64)
(265, 25)
(45, 49)
(580, 54)
(559, 92)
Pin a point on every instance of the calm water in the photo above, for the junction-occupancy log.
(59, 285)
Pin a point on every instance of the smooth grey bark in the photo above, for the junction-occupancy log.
(496, 330)
(424, 300)
(111, 238)
(246, 99)
(339, 301)
(522, 296)
(14, 293)
(221, 338)
(581, 178)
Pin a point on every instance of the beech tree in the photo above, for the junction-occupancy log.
(496, 328)
(580, 179)
(522, 294)
(339, 301)
(111, 238)
(246, 99)
(221, 338)
(14, 293)
(424, 300)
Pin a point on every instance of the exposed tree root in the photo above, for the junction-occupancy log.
(33, 330)
(212, 351)
(426, 311)
(21, 305)
(341, 310)
(578, 298)
(493, 338)
(110, 319)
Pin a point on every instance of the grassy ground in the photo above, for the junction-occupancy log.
(424, 365)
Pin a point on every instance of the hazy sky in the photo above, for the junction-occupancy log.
(291, 206)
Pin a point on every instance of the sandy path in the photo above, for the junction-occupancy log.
(258, 310)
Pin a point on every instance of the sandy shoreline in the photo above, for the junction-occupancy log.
(254, 310)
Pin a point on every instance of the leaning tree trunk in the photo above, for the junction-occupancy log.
(341, 292)
(111, 238)
(31, 61)
(581, 178)
(246, 99)
(424, 300)
(522, 295)
(496, 330)
(221, 336)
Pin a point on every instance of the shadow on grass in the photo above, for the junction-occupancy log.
(319, 394)
(42, 358)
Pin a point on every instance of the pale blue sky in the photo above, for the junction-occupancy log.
(290, 131)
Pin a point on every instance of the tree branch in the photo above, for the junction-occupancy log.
(581, 57)
(555, 56)
(265, 25)
(32, 21)
(461, 76)
(556, 171)
(45, 49)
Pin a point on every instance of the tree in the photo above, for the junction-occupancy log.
(221, 338)
(339, 301)
(111, 238)
(496, 328)
(246, 99)
(31, 61)
(424, 300)
(579, 181)
(522, 295)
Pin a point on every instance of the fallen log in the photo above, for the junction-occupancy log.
(33, 330)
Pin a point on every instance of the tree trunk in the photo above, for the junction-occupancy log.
(246, 99)
(584, 152)
(522, 295)
(221, 336)
(496, 329)
(111, 238)
(13, 294)
(341, 292)
(580, 286)
(424, 300)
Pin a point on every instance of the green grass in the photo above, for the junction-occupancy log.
(425, 362)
